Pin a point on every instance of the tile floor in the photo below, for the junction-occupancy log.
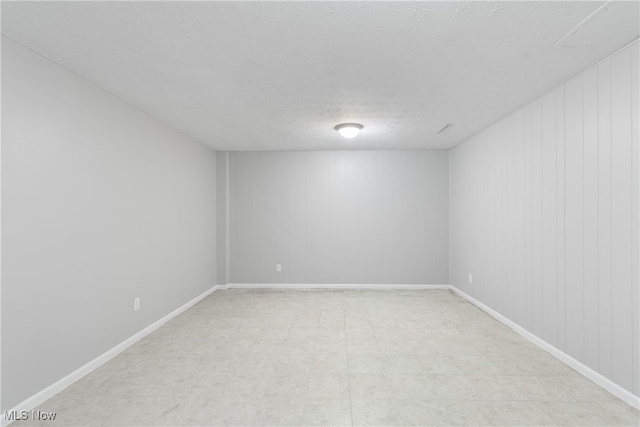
(247, 357)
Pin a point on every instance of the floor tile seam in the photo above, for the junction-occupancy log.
(348, 373)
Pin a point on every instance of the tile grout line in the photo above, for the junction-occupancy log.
(346, 349)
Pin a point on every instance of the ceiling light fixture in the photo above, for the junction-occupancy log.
(349, 130)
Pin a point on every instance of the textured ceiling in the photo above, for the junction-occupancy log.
(280, 75)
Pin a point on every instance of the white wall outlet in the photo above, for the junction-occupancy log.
(136, 304)
(278, 268)
(470, 278)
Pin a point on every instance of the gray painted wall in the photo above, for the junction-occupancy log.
(221, 206)
(100, 204)
(339, 217)
(544, 213)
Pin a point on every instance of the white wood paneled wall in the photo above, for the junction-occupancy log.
(340, 217)
(544, 213)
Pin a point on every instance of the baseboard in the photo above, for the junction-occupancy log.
(594, 376)
(307, 286)
(44, 395)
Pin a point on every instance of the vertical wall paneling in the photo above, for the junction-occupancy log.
(481, 179)
(295, 270)
(536, 225)
(604, 217)
(492, 220)
(392, 208)
(621, 211)
(635, 117)
(366, 182)
(590, 210)
(501, 276)
(511, 284)
(563, 170)
(317, 192)
(560, 215)
(418, 253)
(549, 253)
(221, 217)
(527, 308)
(340, 217)
(574, 210)
(519, 228)
(233, 228)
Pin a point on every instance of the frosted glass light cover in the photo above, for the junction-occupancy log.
(349, 130)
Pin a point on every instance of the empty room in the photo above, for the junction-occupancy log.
(320, 213)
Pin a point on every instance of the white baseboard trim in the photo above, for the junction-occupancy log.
(44, 395)
(594, 376)
(309, 286)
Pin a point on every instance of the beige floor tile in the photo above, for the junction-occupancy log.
(424, 346)
(329, 386)
(274, 333)
(467, 413)
(261, 346)
(574, 414)
(616, 413)
(289, 364)
(378, 357)
(362, 347)
(402, 364)
(62, 410)
(366, 364)
(245, 388)
(298, 334)
(360, 334)
(299, 346)
(438, 364)
(332, 334)
(582, 389)
(496, 387)
(370, 386)
(375, 412)
(280, 412)
(395, 346)
(453, 387)
(188, 411)
(287, 386)
(232, 412)
(357, 322)
(517, 413)
(329, 363)
(137, 411)
(330, 346)
(327, 412)
(306, 322)
(281, 321)
(473, 365)
(424, 412)
(610, 413)
(543, 388)
(413, 387)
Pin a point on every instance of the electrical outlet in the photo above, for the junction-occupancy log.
(136, 304)
(278, 268)
(470, 278)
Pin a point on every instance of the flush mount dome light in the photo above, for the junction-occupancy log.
(349, 130)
